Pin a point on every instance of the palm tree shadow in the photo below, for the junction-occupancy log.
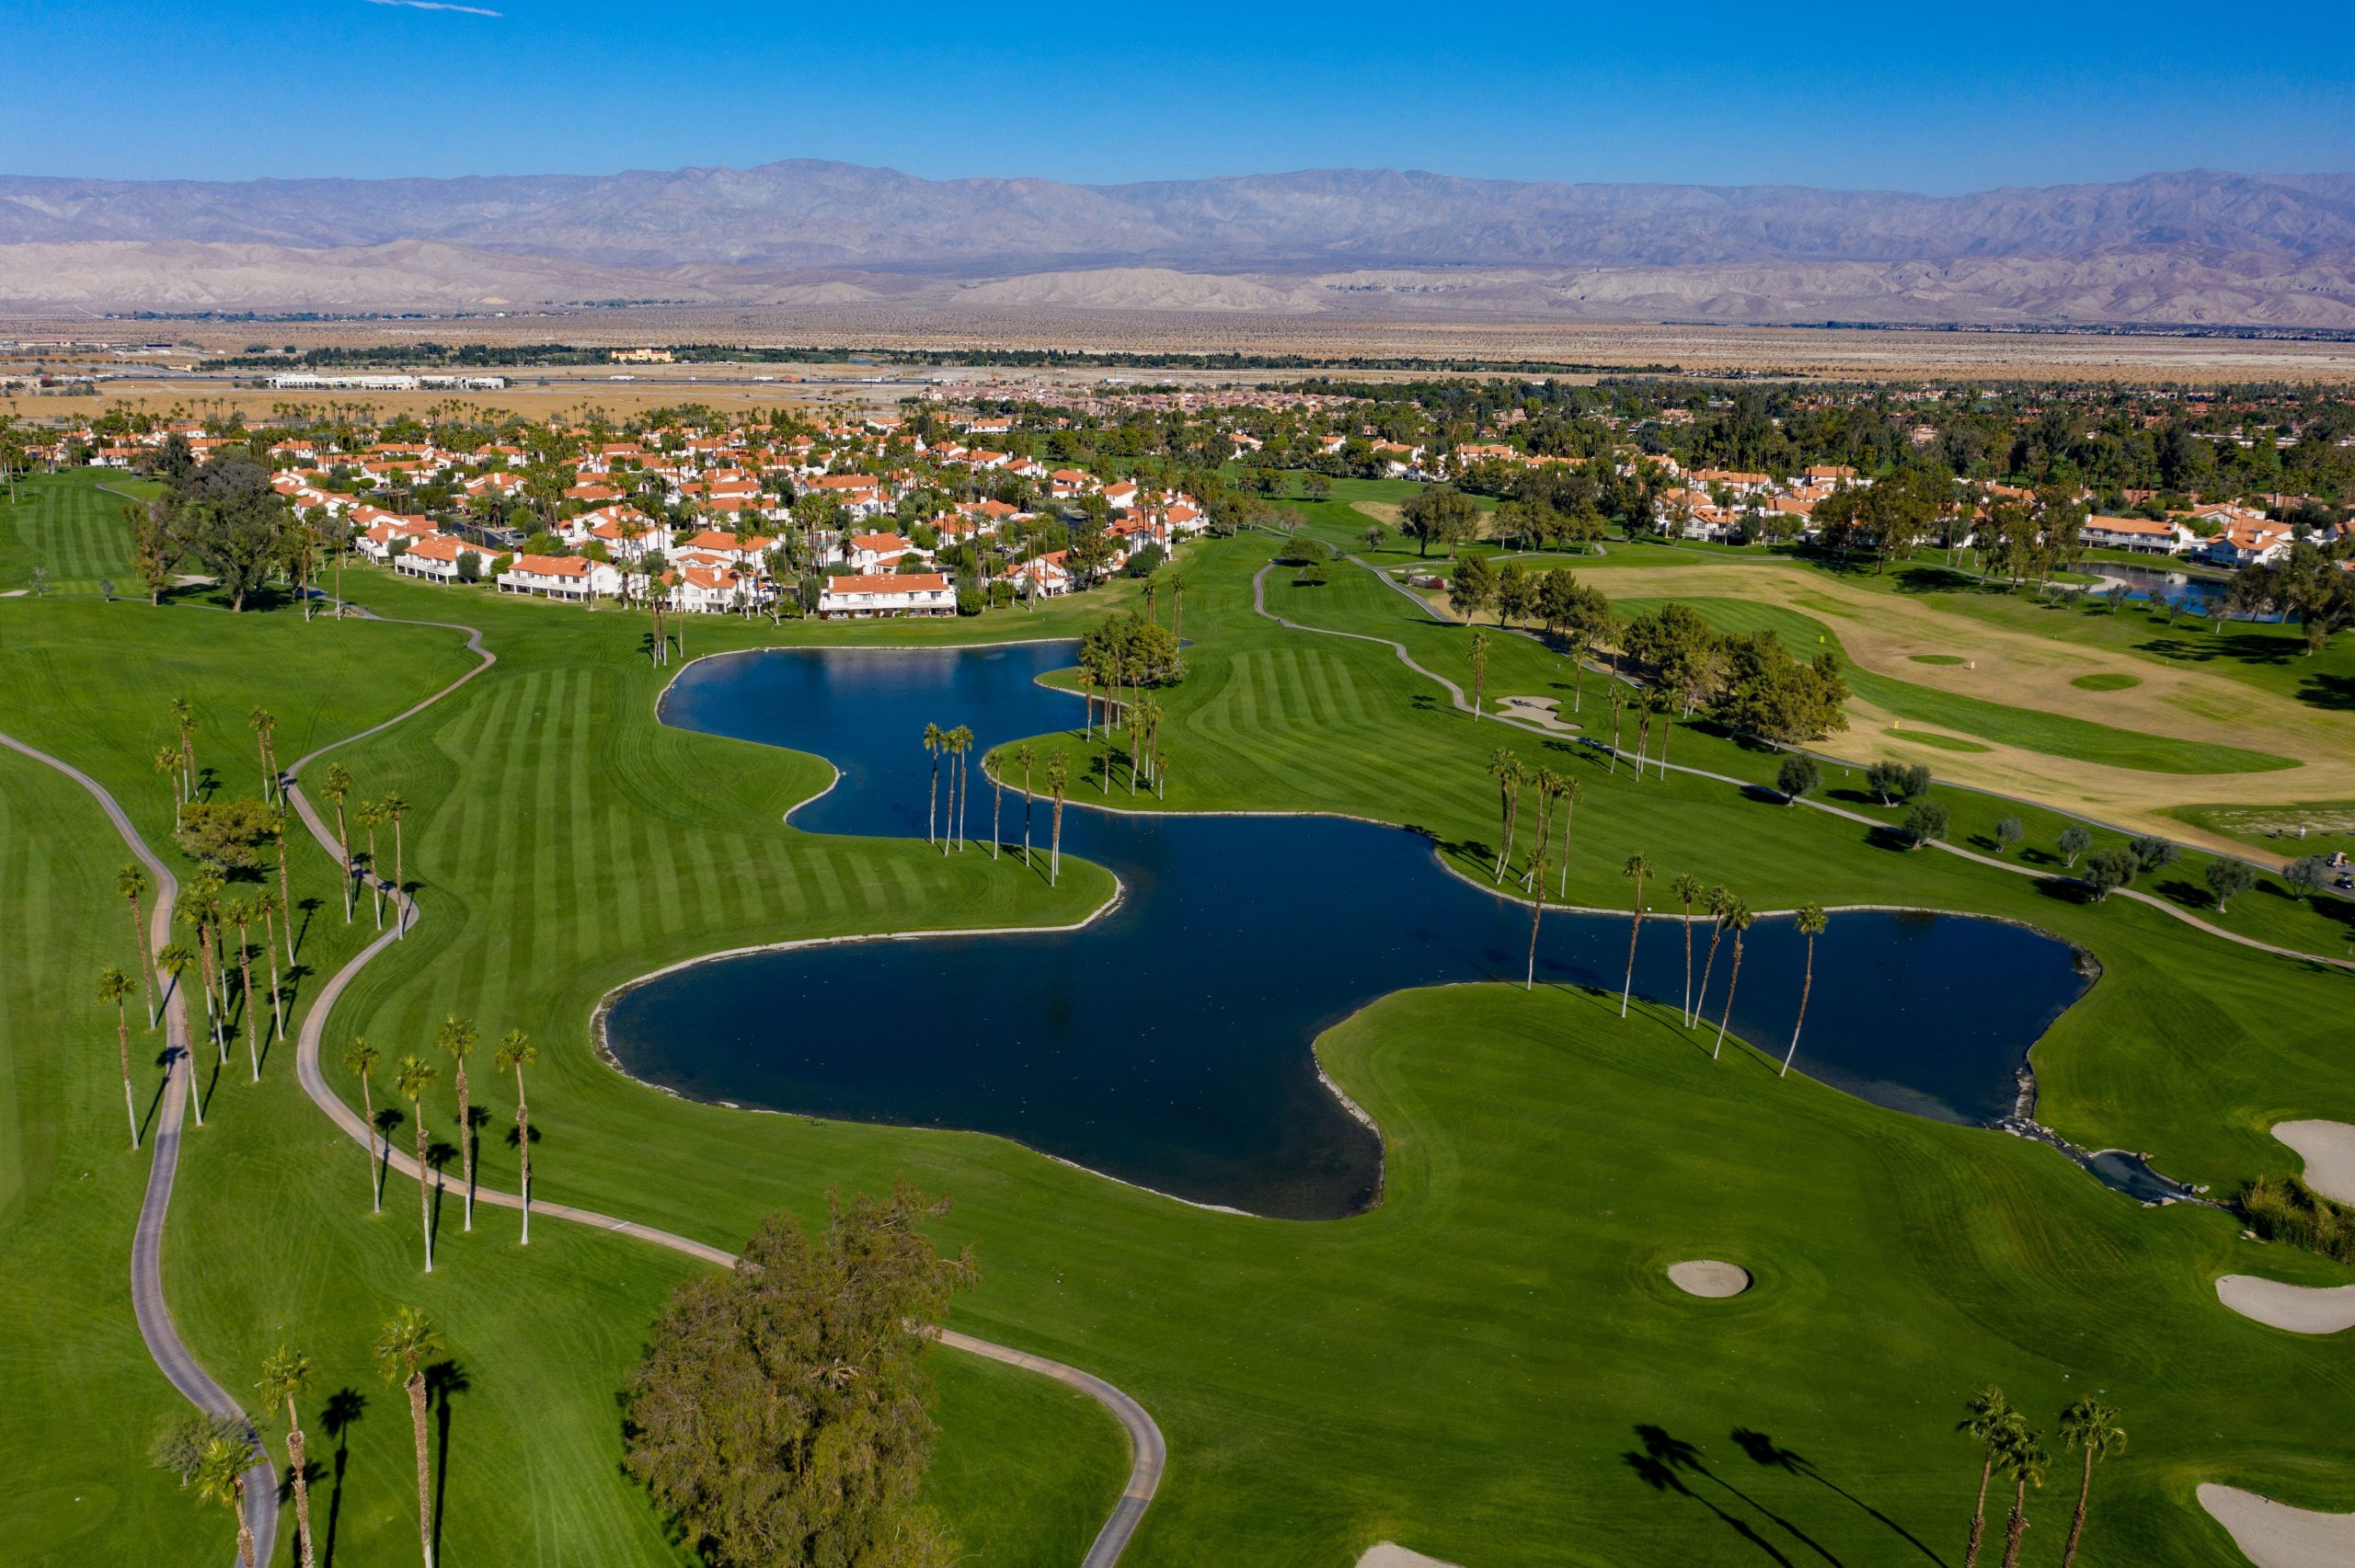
(1661, 1477)
(164, 1058)
(1678, 1455)
(1763, 1450)
(309, 907)
(388, 1119)
(442, 1379)
(336, 1418)
(438, 1154)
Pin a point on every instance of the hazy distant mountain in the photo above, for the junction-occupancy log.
(2277, 249)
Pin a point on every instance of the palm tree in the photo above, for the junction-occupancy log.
(1643, 731)
(285, 1376)
(997, 776)
(192, 913)
(336, 787)
(1716, 901)
(1480, 667)
(1547, 783)
(167, 762)
(1687, 887)
(1618, 711)
(1736, 919)
(263, 722)
(412, 1079)
(285, 893)
(240, 913)
(517, 1052)
(1639, 868)
(1026, 758)
(221, 1478)
(371, 813)
(2022, 1460)
(394, 808)
(1537, 869)
(1572, 791)
(174, 960)
(457, 1037)
(183, 717)
(1058, 780)
(132, 883)
(266, 911)
(1984, 1420)
(1810, 925)
(359, 1060)
(406, 1343)
(1504, 766)
(115, 986)
(2092, 1427)
(961, 744)
(936, 741)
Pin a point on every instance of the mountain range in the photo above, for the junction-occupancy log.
(2193, 247)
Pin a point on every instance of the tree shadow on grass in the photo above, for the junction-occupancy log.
(2336, 693)
(1765, 1451)
(343, 1408)
(442, 1379)
(388, 1120)
(438, 1154)
(164, 1058)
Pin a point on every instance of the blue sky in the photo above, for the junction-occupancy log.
(1962, 100)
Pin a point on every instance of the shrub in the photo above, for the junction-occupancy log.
(2286, 1209)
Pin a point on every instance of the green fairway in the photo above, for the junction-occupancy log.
(1943, 742)
(70, 525)
(1463, 1369)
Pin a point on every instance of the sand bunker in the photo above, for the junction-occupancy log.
(1707, 1277)
(2274, 1535)
(2301, 1309)
(1535, 710)
(2328, 1149)
(1390, 1555)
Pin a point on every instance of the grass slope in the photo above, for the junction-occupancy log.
(70, 524)
(1462, 1369)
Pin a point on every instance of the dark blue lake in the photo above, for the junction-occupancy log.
(1168, 1043)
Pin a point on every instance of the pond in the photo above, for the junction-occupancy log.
(1168, 1043)
(2194, 595)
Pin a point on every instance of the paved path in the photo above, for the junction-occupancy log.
(1148, 1452)
(1455, 695)
(147, 1302)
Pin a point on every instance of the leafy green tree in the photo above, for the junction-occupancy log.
(2151, 851)
(2073, 841)
(2227, 880)
(2107, 870)
(1795, 777)
(1927, 823)
(2009, 833)
(778, 1416)
(1763, 690)
(1439, 515)
(2308, 874)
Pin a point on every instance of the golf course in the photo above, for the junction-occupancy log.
(1488, 1362)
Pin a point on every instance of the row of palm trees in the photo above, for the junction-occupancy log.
(405, 1348)
(2009, 1447)
(955, 745)
(413, 1077)
(1548, 857)
(335, 786)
